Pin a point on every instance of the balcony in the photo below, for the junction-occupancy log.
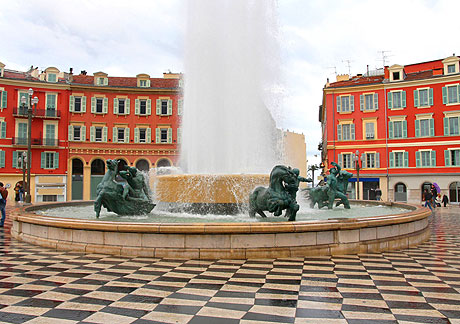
(37, 113)
(22, 141)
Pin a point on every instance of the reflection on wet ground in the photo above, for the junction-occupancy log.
(421, 285)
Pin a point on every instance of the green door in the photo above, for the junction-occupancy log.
(77, 187)
(22, 134)
(95, 180)
(50, 135)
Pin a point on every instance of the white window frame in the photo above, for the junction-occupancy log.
(349, 100)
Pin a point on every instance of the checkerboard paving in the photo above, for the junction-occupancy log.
(417, 285)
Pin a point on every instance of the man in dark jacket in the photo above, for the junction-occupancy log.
(3, 197)
(427, 196)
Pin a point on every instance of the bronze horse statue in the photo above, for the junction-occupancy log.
(276, 197)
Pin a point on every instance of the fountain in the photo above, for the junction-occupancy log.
(229, 145)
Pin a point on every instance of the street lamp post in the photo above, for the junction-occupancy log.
(32, 101)
(356, 158)
(23, 160)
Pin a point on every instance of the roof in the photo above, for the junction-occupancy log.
(127, 81)
(357, 81)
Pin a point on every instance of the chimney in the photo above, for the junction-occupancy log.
(83, 72)
(71, 71)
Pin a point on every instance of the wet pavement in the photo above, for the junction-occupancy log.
(417, 285)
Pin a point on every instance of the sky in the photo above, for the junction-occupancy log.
(318, 39)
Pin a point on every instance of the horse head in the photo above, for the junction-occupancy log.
(112, 165)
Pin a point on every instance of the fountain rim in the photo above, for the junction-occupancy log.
(26, 214)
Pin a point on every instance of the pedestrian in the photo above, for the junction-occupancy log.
(445, 200)
(21, 193)
(434, 194)
(438, 200)
(427, 196)
(17, 193)
(3, 197)
(378, 194)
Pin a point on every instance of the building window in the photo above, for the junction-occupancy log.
(345, 160)
(425, 158)
(345, 104)
(451, 68)
(98, 134)
(121, 106)
(371, 160)
(3, 99)
(77, 104)
(50, 135)
(423, 97)
(102, 81)
(99, 105)
(2, 129)
(142, 135)
(120, 135)
(143, 107)
(164, 135)
(451, 126)
(345, 132)
(47, 198)
(370, 131)
(22, 134)
(452, 157)
(164, 107)
(2, 159)
(399, 159)
(17, 159)
(396, 76)
(424, 127)
(52, 77)
(369, 102)
(144, 83)
(397, 99)
(77, 133)
(50, 160)
(397, 129)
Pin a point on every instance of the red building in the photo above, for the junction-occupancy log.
(399, 126)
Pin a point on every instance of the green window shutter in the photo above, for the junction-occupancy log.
(406, 159)
(149, 107)
(157, 135)
(417, 159)
(431, 127)
(127, 135)
(83, 133)
(339, 132)
(71, 103)
(447, 157)
(377, 160)
(92, 134)
(51, 101)
(127, 106)
(430, 98)
(352, 103)
(417, 128)
(352, 131)
(403, 97)
(390, 129)
(180, 104)
(56, 161)
(415, 98)
(15, 159)
(106, 81)
(136, 135)
(115, 135)
(149, 135)
(4, 99)
(70, 133)
(104, 134)
(3, 129)
(43, 160)
(361, 102)
(376, 101)
(433, 158)
(2, 159)
(83, 104)
(148, 83)
(115, 106)
(105, 107)
(158, 107)
(446, 126)
(170, 107)
(404, 130)
(136, 107)
(170, 135)
(179, 135)
(93, 105)
(444, 95)
(340, 159)
(338, 104)
(390, 100)
(392, 160)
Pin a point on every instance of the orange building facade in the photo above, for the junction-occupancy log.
(79, 122)
(399, 126)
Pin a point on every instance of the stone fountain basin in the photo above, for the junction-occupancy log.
(224, 240)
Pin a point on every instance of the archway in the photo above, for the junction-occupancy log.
(454, 192)
(97, 173)
(400, 192)
(163, 163)
(77, 179)
(143, 165)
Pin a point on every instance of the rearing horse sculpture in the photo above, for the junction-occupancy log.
(275, 198)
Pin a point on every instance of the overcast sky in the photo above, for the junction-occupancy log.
(318, 38)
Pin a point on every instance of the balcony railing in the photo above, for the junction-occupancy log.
(22, 141)
(37, 113)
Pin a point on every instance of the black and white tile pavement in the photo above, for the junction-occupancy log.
(417, 285)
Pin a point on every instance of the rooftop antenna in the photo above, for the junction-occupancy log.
(349, 66)
(333, 67)
(385, 57)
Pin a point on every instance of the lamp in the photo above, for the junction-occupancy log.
(32, 101)
(356, 159)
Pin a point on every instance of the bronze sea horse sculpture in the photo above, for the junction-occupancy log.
(132, 198)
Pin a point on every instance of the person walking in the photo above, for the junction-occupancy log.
(378, 194)
(427, 196)
(3, 197)
(445, 200)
